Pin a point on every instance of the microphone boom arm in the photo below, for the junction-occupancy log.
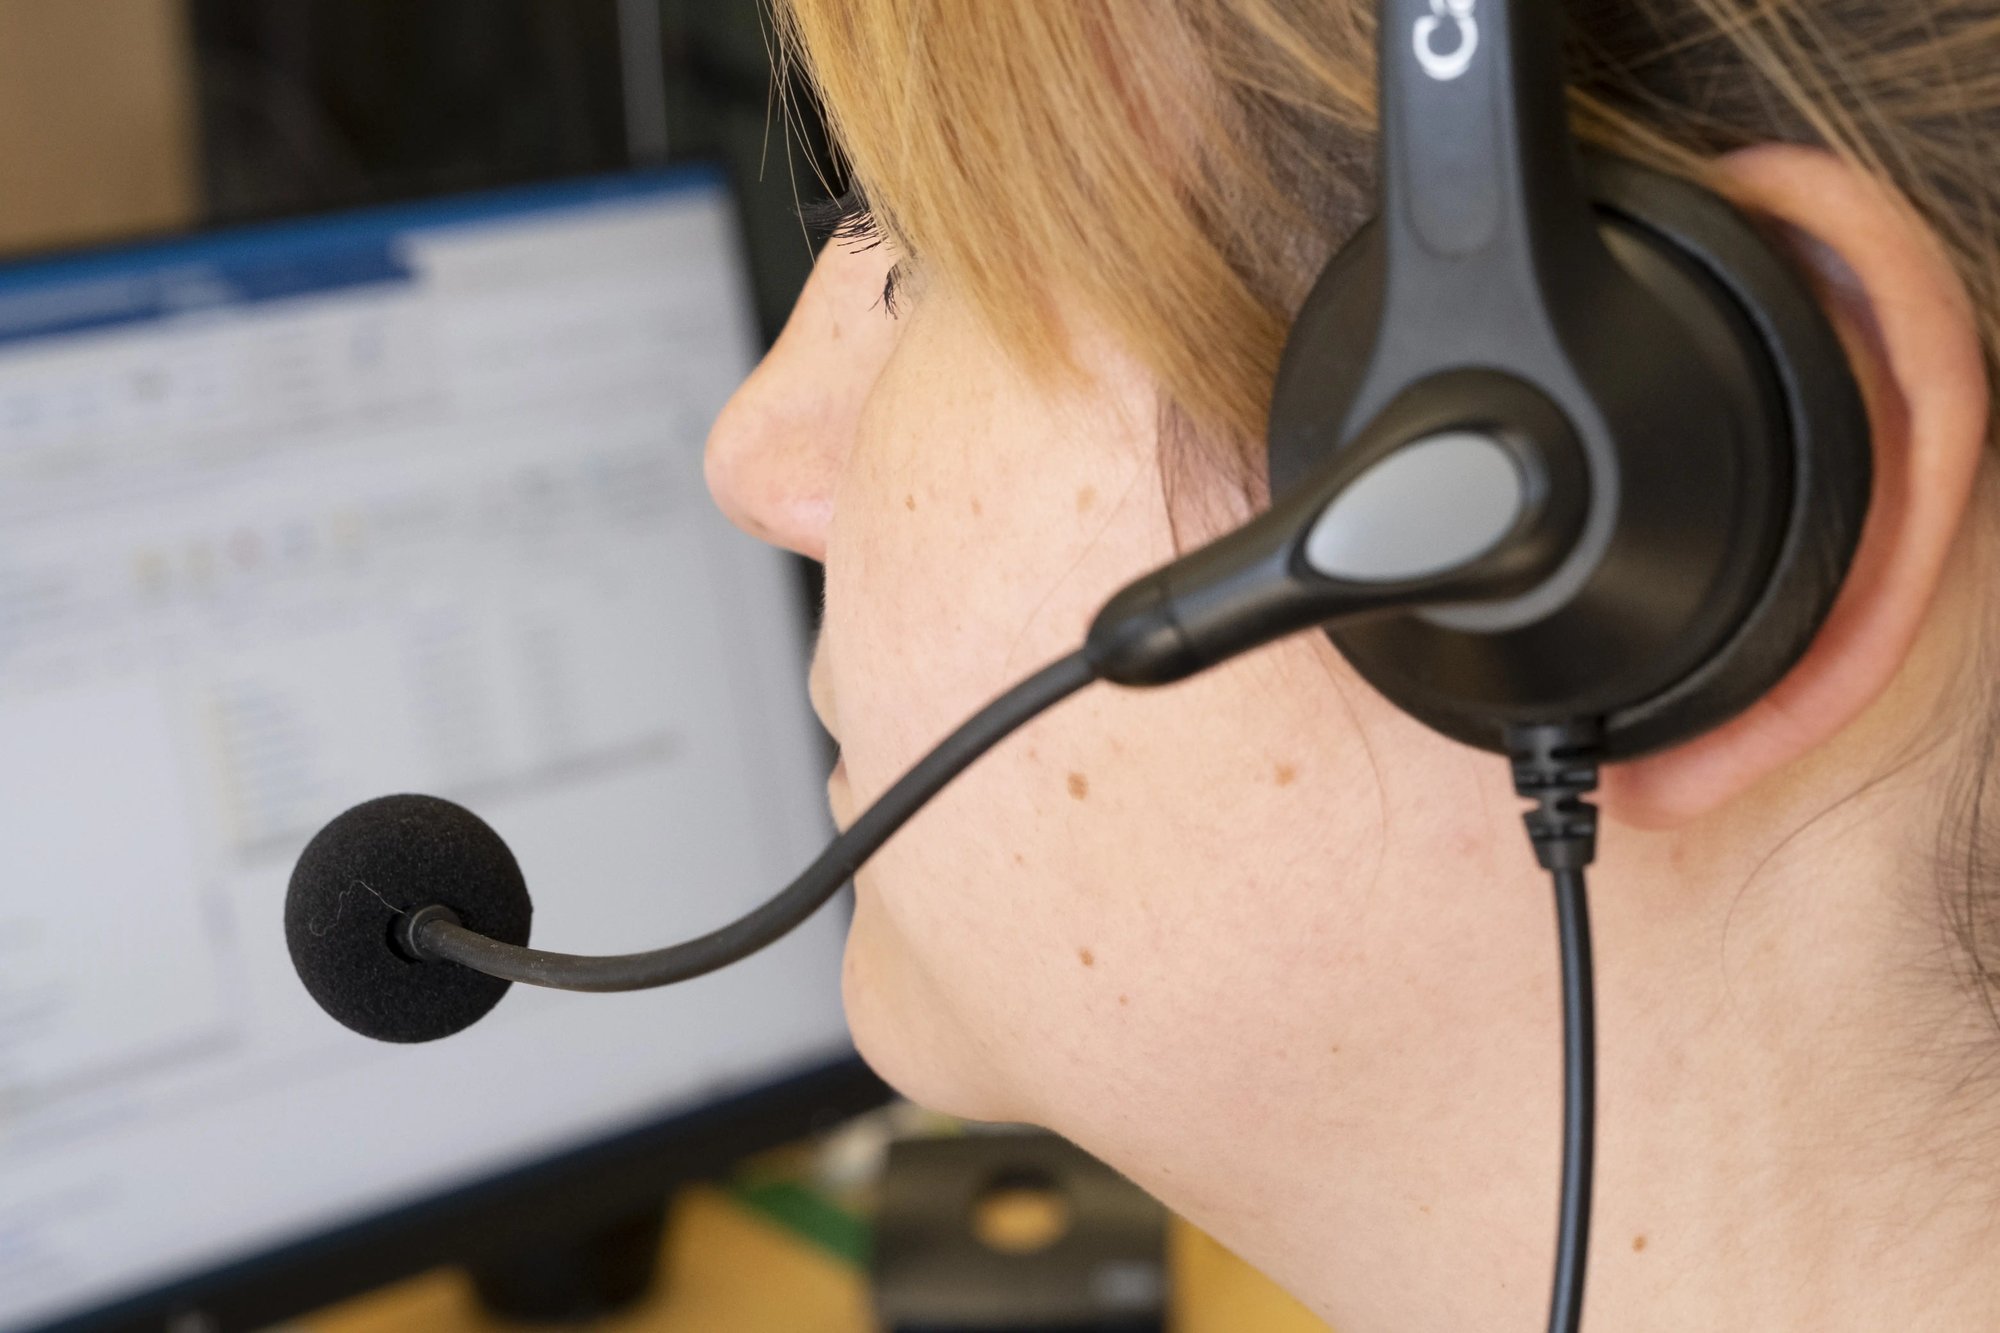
(437, 936)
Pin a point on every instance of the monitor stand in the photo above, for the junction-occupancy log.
(577, 1276)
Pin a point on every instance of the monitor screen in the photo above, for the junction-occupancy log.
(301, 514)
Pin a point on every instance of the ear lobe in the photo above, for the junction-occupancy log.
(1908, 325)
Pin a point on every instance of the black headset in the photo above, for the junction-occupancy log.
(1566, 460)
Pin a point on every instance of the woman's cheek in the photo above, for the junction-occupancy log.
(976, 528)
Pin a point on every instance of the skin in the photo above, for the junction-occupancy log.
(1281, 954)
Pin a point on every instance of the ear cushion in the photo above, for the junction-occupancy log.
(1832, 464)
(1684, 244)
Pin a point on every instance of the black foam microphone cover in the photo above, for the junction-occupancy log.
(361, 875)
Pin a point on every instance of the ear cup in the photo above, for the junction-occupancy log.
(1795, 483)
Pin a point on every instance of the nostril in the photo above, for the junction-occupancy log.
(733, 496)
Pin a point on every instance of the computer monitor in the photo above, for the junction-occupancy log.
(401, 500)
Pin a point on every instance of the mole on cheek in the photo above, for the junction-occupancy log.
(1286, 774)
(1086, 957)
(910, 503)
(1638, 1243)
(1079, 786)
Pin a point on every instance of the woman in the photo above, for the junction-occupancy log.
(1261, 941)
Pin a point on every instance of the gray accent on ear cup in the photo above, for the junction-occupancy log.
(1751, 321)
(1428, 508)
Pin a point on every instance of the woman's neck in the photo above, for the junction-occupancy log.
(1793, 1128)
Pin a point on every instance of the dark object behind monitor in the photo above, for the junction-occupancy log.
(1102, 1271)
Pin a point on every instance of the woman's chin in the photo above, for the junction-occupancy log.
(904, 1030)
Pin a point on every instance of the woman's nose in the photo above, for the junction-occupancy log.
(776, 452)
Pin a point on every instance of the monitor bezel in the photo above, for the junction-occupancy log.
(572, 1190)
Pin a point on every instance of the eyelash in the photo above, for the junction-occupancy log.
(849, 221)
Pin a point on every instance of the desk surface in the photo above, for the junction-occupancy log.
(730, 1271)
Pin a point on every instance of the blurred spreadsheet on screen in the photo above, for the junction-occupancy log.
(292, 516)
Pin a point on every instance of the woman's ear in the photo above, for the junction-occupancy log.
(1911, 334)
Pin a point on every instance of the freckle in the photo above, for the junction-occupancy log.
(1286, 774)
(1124, 999)
(1085, 498)
(1423, 1208)
(1079, 786)
(977, 508)
(1638, 1243)
(910, 502)
(1086, 957)
(1019, 859)
(1336, 1050)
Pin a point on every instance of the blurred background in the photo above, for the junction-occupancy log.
(355, 362)
(123, 117)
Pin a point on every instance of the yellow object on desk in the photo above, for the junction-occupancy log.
(728, 1270)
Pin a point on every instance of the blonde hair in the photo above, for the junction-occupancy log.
(1182, 168)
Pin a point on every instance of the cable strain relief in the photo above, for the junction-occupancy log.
(1555, 764)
